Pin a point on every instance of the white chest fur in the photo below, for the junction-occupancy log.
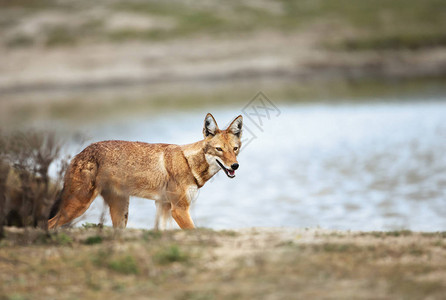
(191, 193)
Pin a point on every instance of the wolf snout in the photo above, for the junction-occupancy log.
(234, 166)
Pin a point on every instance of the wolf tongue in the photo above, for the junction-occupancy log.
(231, 172)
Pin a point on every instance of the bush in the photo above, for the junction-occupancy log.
(27, 193)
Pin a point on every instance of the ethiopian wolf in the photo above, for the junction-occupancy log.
(167, 173)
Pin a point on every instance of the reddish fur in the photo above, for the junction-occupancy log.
(162, 172)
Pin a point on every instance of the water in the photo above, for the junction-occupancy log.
(369, 166)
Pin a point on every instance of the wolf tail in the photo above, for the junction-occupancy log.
(79, 189)
(56, 205)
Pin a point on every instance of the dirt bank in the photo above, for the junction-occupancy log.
(265, 263)
(61, 45)
(205, 60)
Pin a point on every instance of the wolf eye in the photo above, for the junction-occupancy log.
(219, 149)
(235, 148)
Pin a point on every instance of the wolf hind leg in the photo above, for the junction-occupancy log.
(72, 207)
(163, 214)
(119, 208)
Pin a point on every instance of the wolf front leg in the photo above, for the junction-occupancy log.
(182, 216)
(180, 198)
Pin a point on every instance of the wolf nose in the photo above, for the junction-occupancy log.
(234, 166)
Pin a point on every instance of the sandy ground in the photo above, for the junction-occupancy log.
(263, 263)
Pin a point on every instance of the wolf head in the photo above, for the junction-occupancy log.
(223, 146)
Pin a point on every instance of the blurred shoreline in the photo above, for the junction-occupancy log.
(207, 61)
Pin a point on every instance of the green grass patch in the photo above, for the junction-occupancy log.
(62, 239)
(16, 297)
(59, 238)
(26, 4)
(149, 235)
(92, 240)
(61, 36)
(20, 41)
(439, 234)
(88, 225)
(189, 20)
(383, 234)
(170, 254)
(125, 265)
(197, 295)
(395, 42)
(398, 233)
(230, 233)
(337, 248)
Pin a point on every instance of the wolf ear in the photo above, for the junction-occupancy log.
(236, 126)
(210, 126)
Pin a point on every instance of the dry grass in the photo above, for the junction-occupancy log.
(205, 264)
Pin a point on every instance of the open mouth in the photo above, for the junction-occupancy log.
(229, 173)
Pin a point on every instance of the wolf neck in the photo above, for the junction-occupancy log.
(202, 169)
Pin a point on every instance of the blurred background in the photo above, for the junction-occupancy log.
(344, 101)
